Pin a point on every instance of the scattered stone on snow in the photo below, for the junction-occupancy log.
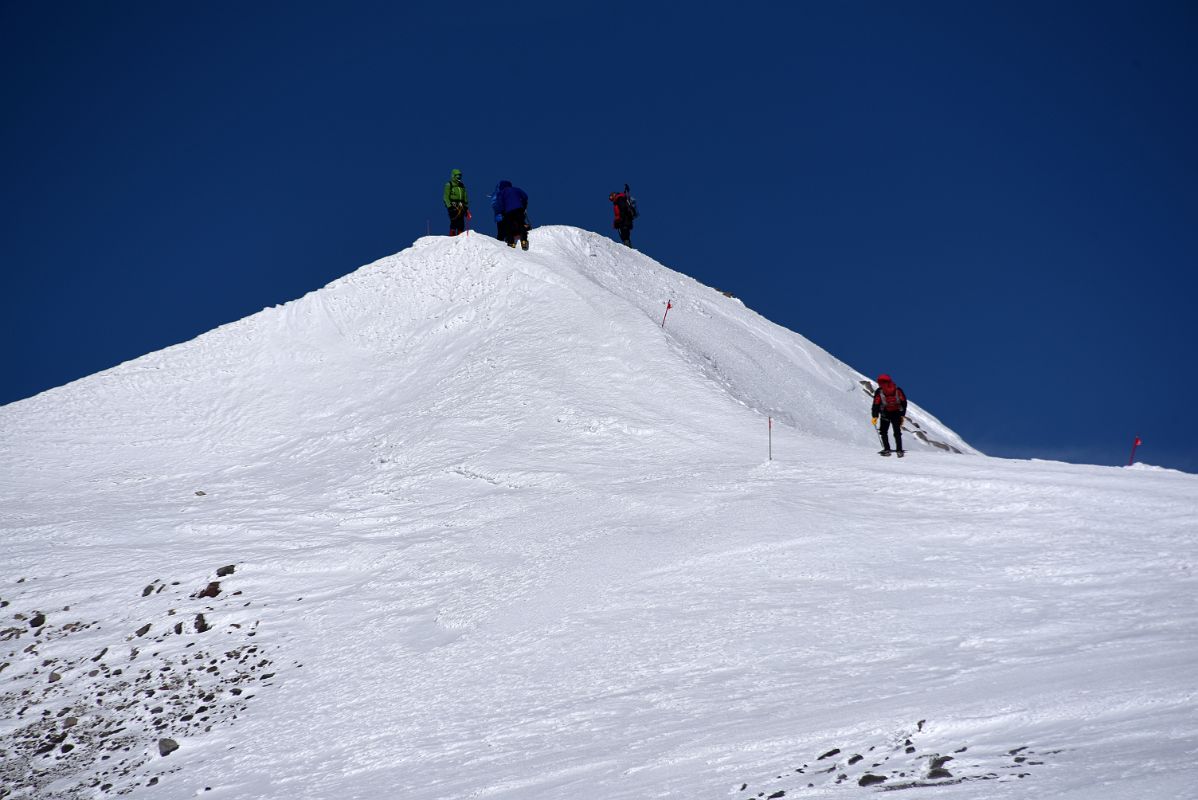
(92, 731)
(904, 768)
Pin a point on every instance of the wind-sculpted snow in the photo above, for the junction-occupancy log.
(497, 533)
(769, 369)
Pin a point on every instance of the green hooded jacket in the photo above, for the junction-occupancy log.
(455, 190)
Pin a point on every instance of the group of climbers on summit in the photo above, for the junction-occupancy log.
(510, 205)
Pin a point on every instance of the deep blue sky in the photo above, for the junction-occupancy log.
(995, 202)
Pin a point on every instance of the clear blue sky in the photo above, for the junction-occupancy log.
(995, 202)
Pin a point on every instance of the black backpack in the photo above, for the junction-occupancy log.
(632, 212)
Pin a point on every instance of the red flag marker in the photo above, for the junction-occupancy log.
(1134, 445)
(669, 305)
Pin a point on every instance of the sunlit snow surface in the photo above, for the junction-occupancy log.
(496, 533)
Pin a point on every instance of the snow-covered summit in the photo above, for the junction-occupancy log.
(530, 347)
(469, 522)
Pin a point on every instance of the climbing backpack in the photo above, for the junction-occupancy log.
(632, 212)
(892, 402)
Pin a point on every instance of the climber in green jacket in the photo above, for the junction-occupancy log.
(457, 202)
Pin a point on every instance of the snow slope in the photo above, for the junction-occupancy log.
(469, 522)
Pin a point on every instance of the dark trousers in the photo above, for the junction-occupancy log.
(457, 224)
(513, 226)
(626, 235)
(887, 419)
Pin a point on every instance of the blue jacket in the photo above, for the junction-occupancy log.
(508, 198)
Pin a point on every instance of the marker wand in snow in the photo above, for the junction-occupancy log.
(1134, 445)
(669, 305)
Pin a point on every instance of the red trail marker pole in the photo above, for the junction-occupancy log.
(669, 305)
(1134, 445)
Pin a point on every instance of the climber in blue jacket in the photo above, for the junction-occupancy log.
(510, 204)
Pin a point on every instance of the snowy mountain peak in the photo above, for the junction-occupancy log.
(503, 348)
(471, 522)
